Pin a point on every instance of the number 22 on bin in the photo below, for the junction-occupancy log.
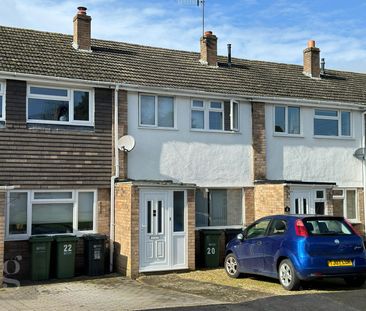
(67, 248)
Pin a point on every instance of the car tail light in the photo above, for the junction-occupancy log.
(351, 227)
(300, 229)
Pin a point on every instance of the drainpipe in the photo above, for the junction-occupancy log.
(113, 179)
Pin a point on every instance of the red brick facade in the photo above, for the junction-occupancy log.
(259, 141)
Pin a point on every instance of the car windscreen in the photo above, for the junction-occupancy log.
(330, 226)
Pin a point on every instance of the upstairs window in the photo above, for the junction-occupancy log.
(54, 105)
(214, 115)
(2, 101)
(157, 111)
(287, 120)
(332, 123)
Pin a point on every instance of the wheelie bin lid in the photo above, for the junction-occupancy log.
(211, 231)
(93, 237)
(40, 238)
(66, 238)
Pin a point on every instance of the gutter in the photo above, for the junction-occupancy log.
(113, 179)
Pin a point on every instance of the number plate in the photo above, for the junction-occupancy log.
(340, 263)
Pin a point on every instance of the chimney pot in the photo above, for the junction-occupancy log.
(82, 30)
(209, 49)
(312, 60)
(311, 44)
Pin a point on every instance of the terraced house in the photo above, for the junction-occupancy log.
(220, 141)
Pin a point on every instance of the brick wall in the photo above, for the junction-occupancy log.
(361, 210)
(191, 229)
(249, 205)
(209, 49)
(127, 229)
(312, 62)
(2, 233)
(104, 205)
(82, 31)
(259, 141)
(270, 199)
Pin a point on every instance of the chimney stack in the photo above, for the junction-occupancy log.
(82, 30)
(209, 49)
(312, 60)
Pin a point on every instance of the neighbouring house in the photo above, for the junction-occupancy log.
(220, 142)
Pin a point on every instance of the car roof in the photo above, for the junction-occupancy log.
(299, 216)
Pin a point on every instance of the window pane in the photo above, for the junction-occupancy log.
(52, 195)
(257, 230)
(346, 123)
(234, 207)
(18, 213)
(201, 208)
(235, 115)
(280, 119)
(160, 216)
(1, 106)
(215, 119)
(197, 119)
(166, 111)
(320, 194)
(326, 127)
(197, 103)
(147, 110)
(48, 91)
(218, 208)
(319, 208)
(149, 211)
(81, 106)
(216, 105)
(351, 204)
(293, 120)
(178, 211)
(52, 218)
(327, 113)
(45, 109)
(85, 211)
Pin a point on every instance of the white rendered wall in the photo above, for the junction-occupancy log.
(314, 159)
(208, 159)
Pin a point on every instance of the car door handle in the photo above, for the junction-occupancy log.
(259, 243)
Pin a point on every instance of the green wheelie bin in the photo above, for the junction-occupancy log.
(94, 248)
(40, 257)
(211, 239)
(65, 256)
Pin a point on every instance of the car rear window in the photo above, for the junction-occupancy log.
(327, 227)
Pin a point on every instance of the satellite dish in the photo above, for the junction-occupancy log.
(126, 143)
(360, 153)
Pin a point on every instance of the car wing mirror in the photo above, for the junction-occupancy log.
(240, 236)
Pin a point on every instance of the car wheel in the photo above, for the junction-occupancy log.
(355, 281)
(287, 275)
(231, 266)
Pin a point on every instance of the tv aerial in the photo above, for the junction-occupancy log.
(199, 3)
(126, 143)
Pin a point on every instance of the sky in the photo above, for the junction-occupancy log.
(269, 30)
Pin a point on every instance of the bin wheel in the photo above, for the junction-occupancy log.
(231, 266)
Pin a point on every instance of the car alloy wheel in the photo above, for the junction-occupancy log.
(287, 275)
(231, 266)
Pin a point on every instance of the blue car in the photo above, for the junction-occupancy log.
(294, 248)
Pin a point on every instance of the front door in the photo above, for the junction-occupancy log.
(163, 235)
(301, 202)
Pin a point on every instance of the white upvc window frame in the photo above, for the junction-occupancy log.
(206, 108)
(31, 201)
(344, 198)
(3, 102)
(156, 110)
(338, 118)
(286, 133)
(69, 98)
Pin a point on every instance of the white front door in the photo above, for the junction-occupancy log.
(301, 202)
(163, 230)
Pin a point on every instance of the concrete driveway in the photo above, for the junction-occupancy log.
(198, 290)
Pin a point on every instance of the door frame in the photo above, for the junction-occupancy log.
(310, 193)
(169, 229)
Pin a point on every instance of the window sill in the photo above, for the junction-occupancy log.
(59, 127)
(333, 137)
(157, 128)
(61, 123)
(288, 135)
(220, 227)
(24, 237)
(215, 131)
